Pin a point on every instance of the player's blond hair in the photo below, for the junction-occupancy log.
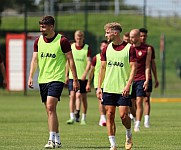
(113, 26)
(79, 33)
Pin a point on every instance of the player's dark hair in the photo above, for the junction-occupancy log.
(104, 41)
(144, 30)
(47, 20)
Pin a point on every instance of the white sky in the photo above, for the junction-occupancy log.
(155, 7)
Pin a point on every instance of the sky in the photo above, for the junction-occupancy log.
(159, 7)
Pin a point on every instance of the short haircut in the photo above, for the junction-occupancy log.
(79, 33)
(126, 34)
(113, 26)
(144, 30)
(47, 20)
(104, 41)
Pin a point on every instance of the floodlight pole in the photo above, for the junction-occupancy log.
(25, 30)
(144, 14)
(86, 17)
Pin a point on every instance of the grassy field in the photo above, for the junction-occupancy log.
(23, 126)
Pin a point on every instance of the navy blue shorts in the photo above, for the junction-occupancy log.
(82, 83)
(150, 83)
(53, 89)
(116, 100)
(137, 89)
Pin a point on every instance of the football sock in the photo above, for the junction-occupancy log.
(57, 138)
(128, 133)
(52, 136)
(112, 140)
(103, 117)
(146, 119)
(72, 116)
(137, 124)
(83, 116)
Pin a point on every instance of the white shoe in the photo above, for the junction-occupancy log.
(128, 143)
(50, 145)
(58, 145)
(113, 148)
(102, 123)
(136, 129)
(146, 125)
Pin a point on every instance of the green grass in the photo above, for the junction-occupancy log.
(23, 126)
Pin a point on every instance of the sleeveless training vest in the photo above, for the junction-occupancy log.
(51, 60)
(117, 69)
(80, 59)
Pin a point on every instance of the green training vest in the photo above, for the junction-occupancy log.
(80, 59)
(96, 71)
(117, 69)
(51, 61)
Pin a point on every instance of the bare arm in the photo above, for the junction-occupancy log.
(91, 73)
(87, 68)
(3, 71)
(126, 90)
(33, 67)
(147, 68)
(71, 64)
(153, 68)
(101, 79)
(67, 72)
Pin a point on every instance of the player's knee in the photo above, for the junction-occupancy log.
(123, 116)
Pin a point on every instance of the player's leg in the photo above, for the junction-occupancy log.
(139, 112)
(111, 127)
(84, 108)
(102, 111)
(53, 96)
(140, 94)
(147, 105)
(110, 107)
(78, 106)
(124, 103)
(71, 102)
(102, 121)
(83, 92)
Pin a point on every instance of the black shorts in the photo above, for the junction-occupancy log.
(82, 83)
(150, 83)
(137, 89)
(53, 89)
(116, 100)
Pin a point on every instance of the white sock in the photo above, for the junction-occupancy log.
(128, 133)
(146, 119)
(103, 117)
(112, 140)
(137, 124)
(83, 116)
(132, 117)
(72, 116)
(52, 136)
(57, 138)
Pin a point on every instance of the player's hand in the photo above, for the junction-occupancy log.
(66, 81)
(76, 85)
(4, 83)
(99, 93)
(30, 83)
(88, 88)
(145, 85)
(156, 83)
